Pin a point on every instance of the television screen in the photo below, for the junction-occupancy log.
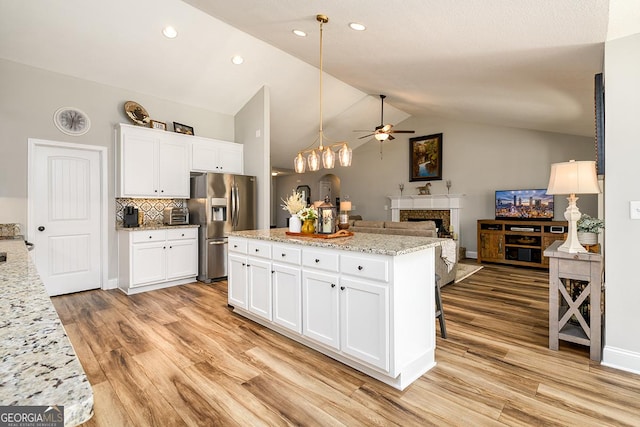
(524, 204)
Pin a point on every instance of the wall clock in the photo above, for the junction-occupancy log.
(71, 121)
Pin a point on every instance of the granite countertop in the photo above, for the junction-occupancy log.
(38, 366)
(382, 244)
(153, 226)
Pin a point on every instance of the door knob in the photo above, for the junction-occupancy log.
(41, 228)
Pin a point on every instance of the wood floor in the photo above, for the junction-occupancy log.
(179, 356)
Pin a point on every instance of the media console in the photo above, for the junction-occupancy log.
(518, 242)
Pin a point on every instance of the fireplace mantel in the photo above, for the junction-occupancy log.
(450, 202)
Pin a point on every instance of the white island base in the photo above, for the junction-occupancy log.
(366, 300)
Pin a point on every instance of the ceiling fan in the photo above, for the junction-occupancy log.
(383, 132)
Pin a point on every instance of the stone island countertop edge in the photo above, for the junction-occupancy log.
(381, 244)
(153, 226)
(38, 366)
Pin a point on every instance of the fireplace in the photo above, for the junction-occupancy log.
(443, 207)
(440, 217)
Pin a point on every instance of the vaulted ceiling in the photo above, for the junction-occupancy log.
(525, 63)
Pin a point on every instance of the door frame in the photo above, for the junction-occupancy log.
(33, 143)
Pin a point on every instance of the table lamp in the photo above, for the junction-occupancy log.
(343, 218)
(573, 178)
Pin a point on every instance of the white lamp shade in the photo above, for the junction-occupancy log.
(382, 136)
(573, 178)
(328, 158)
(345, 206)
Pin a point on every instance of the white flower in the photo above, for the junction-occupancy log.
(294, 203)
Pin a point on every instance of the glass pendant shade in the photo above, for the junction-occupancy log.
(328, 158)
(344, 155)
(314, 161)
(381, 136)
(299, 164)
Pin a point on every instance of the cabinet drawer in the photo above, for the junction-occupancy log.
(574, 269)
(237, 245)
(377, 269)
(182, 233)
(287, 254)
(318, 259)
(149, 236)
(259, 249)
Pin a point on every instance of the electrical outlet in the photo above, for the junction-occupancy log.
(634, 209)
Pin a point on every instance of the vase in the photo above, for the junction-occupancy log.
(295, 224)
(587, 238)
(309, 226)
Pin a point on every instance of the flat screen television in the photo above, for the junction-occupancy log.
(524, 205)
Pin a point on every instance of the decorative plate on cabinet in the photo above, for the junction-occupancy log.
(71, 121)
(136, 113)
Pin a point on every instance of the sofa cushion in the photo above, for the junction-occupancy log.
(406, 225)
(369, 224)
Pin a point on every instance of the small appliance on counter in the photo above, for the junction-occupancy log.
(176, 216)
(130, 217)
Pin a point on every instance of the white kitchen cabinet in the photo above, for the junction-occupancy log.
(249, 277)
(154, 259)
(287, 296)
(237, 293)
(259, 284)
(320, 312)
(211, 155)
(151, 164)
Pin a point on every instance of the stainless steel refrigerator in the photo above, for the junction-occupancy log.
(219, 203)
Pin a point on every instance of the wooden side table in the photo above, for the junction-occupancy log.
(575, 289)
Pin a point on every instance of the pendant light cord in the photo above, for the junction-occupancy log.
(322, 20)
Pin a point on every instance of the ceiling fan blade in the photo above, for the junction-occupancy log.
(367, 136)
(391, 138)
(402, 131)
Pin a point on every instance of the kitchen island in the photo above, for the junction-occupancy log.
(367, 300)
(39, 366)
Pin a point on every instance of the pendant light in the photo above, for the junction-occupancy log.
(325, 151)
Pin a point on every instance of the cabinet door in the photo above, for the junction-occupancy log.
(231, 158)
(491, 246)
(259, 287)
(148, 263)
(204, 156)
(182, 258)
(173, 170)
(139, 166)
(237, 281)
(364, 322)
(320, 308)
(287, 297)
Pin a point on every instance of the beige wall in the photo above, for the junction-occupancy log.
(622, 138)
(478, 159)
(29, 98)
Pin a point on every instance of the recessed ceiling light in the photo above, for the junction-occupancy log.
(237, 59)
(357, 26)
(299, 33)
(170, 32)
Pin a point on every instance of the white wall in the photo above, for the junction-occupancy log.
(622, 152)
(253, 130)
(478, 159)
(29, 98)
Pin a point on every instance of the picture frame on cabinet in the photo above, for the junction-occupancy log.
(180, 128)
(155, 124)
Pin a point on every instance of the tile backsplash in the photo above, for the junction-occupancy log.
(152, 208)
(9, 230)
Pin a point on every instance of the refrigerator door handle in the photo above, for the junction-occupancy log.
(237, 205)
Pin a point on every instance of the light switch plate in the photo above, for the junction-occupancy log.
(634, 209)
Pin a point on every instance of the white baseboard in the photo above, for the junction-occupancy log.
(471, 254)
(619, 358)
(111, 284)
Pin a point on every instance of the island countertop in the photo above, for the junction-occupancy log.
(381, 244)
(39, 366)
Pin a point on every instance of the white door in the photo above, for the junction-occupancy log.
(65, 202)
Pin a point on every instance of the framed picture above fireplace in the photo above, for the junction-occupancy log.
(425, 158)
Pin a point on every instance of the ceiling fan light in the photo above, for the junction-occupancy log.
(344, 155)
(299, 164)
(328, 158)
(381, 136)
(314, 161)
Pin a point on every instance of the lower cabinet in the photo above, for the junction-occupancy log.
(287, 297)
(154, 259)
(320, 301)
(249, 281)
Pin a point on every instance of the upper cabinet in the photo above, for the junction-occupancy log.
(154, 163)
(151, 164)
(212, 155)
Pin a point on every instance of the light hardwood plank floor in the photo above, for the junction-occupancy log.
(179, 356)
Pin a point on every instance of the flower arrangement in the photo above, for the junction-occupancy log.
(587, 224)
(294, 203)
(308, 213)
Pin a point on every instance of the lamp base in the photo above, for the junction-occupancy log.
(572, 215)
(343, 226)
